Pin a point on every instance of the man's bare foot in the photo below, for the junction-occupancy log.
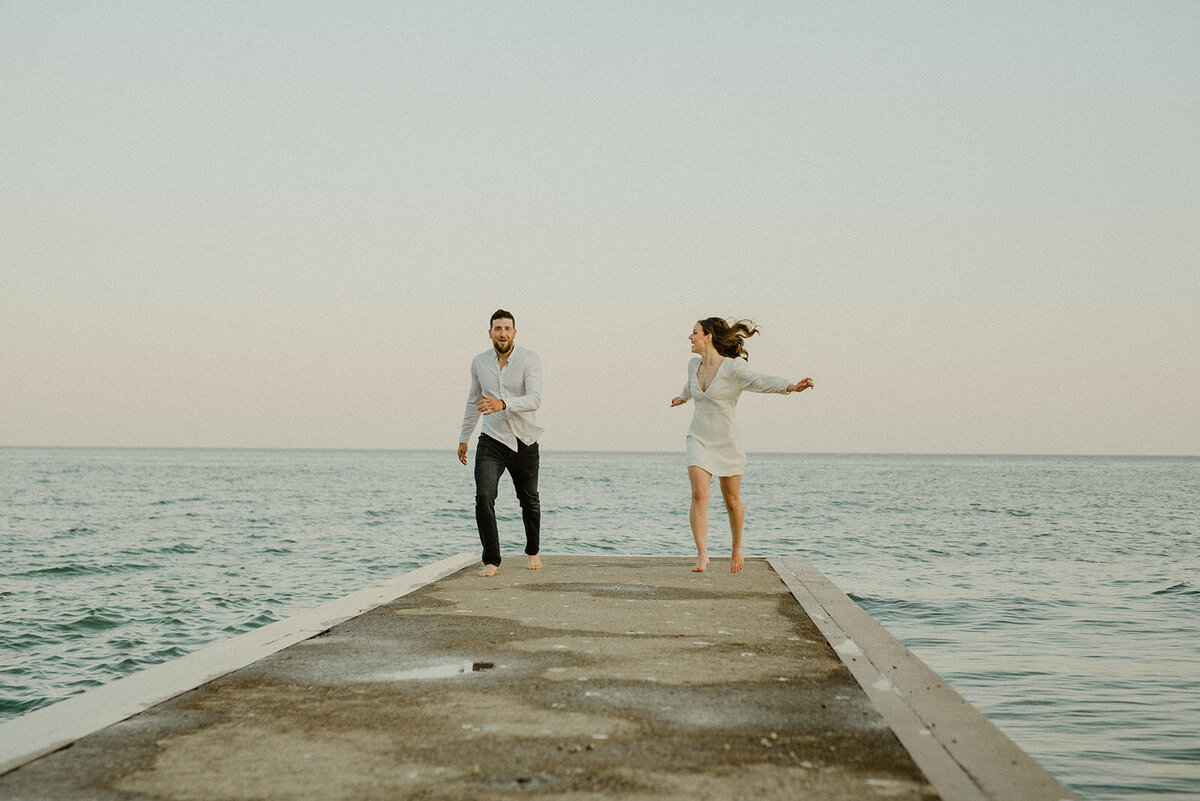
(535, 561)
(488, 571)
(735, 562)
(701, 563)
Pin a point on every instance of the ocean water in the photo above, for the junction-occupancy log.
(1060, 595)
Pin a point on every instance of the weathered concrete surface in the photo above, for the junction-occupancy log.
(959, 750)
(596, 677)
(53, 727)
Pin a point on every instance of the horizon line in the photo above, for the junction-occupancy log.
(300, 449)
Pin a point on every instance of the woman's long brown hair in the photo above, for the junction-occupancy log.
(729, 338)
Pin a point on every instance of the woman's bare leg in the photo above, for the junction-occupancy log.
(731, 491)
(698, 515)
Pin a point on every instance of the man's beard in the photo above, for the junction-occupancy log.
(506, 349)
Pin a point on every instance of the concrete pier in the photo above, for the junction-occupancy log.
(598, 677)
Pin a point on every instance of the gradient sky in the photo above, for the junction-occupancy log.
(976, 226)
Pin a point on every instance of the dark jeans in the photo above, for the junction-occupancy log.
(491, 459)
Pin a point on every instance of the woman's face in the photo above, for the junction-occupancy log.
(699, 339)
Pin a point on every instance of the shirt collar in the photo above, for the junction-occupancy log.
(511, 355)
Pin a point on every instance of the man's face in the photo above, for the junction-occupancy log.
(502, 333)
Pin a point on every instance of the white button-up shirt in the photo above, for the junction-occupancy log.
(518, 384)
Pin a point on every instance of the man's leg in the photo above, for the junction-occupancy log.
(488, 467)
(524, 471)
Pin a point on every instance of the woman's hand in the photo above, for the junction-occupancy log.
(677, 401)
(800, 386)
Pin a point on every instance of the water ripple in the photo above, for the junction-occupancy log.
(1058, 594)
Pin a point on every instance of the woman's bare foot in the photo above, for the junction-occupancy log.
(535, 561)
(488, 571)
(735, 562)
(701, 563)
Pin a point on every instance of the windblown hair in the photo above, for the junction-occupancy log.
(499, 314)
(729, 338)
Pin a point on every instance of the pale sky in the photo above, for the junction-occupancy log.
(975, 226)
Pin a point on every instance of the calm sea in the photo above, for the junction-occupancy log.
(1060, 595)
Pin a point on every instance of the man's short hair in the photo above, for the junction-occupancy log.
(498, 314)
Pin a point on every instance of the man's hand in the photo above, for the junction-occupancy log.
(462, 452)
(800, 386)
(489, 405)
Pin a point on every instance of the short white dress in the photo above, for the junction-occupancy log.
(714, 442)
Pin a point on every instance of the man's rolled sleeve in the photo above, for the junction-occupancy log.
(471, 413)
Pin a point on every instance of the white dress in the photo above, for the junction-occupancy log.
(714, 442)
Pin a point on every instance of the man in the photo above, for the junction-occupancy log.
(506, 390)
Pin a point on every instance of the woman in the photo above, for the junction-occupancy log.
(714, 445)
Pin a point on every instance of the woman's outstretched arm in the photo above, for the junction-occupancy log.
(686, 393)
(761, 382)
